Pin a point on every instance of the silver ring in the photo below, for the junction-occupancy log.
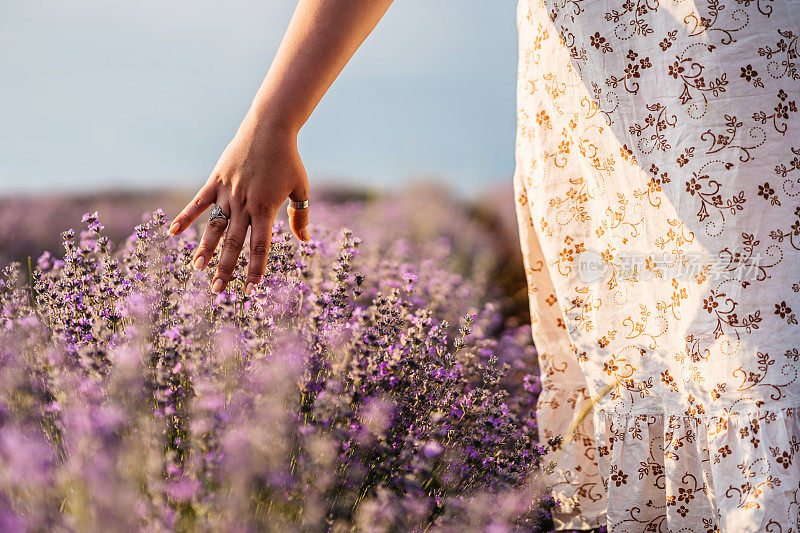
(299, 205)
(217, 213)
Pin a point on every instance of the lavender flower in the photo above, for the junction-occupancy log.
(365, 384)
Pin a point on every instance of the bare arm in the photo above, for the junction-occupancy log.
(321, 38)
(261, 166)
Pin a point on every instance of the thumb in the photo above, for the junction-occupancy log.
(298, 219)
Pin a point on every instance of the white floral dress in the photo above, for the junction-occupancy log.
(658, 199)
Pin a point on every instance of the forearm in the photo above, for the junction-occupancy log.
(321, 38)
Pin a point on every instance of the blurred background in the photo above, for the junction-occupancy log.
(124, 107)
(141, 94)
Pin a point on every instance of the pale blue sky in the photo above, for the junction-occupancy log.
(143, 93)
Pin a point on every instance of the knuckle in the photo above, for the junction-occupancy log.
(259, 249)
(253, 277)
(205, 249)
(260, 209)
(232, 243)
(216, 179)
(217, 225)
(238, 193)
(301, 182)
(298, 223)
(205, 252)
(225, 270)
(198, 202)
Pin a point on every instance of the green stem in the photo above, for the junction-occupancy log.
(31, 293)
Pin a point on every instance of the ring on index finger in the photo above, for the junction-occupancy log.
(217, 213)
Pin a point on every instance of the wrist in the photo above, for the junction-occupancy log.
(265, 118)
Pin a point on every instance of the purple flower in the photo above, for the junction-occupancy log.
(365, 382)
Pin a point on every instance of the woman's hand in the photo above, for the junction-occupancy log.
(261, 166)
(258, 170)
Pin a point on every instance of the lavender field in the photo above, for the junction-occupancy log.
(380, 378)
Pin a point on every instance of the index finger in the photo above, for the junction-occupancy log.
(202, 200)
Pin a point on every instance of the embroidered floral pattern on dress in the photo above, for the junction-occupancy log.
(658, 199)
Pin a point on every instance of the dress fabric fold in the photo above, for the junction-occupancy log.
(657, 191)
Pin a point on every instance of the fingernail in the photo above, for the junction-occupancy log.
(305, 235)
(216, 288)
(173, 229)
(249, 288)
(200, 263)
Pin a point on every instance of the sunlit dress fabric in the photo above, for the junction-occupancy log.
(658, 198)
